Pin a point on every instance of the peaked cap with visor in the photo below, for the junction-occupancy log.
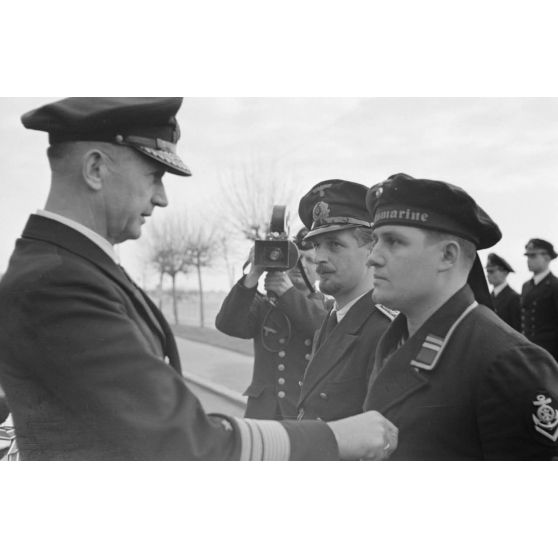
(147, 124)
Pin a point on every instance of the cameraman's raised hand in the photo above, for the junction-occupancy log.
(277, 282)
(254, 273)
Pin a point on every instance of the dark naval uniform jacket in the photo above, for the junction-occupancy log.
(282, 335)
(335, 381)
(90, 366)
(507, 306)
(466, 386)
(539, 313)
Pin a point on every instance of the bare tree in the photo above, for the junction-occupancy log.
(203, 244)
(249, 193)
(224, 242)
(168, 251)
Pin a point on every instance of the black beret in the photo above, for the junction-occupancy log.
(334, 205)
(431, 204)
(496, 261)
(540, 244)
(147, 124)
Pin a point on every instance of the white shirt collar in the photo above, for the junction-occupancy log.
(94, 237)
(341, 313)
(497, 290)
(540, 276)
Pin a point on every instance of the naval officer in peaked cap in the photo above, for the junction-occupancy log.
(504, 298)
(335, 380)
(458, 381)
(89, 364)
(539, 297)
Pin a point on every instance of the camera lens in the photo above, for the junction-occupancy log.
(275, 254)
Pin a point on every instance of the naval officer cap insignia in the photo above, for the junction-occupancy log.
(147, 124)
(493, 260)
(431, 204)
(536, 245)
(545, 417)
(334, 205)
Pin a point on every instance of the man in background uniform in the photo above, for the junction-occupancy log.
(336, 378)
(505, 300)
(458, 381)
(282, 328)
(539, 297)
(89, 364)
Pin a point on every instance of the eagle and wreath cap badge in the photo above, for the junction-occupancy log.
(320, 212)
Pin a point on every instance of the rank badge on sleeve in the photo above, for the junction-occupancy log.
(545, 417)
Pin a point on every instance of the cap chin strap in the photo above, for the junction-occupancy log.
(311, 287)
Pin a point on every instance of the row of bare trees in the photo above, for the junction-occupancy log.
(178, 245)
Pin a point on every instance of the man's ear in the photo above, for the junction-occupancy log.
(450, 254)
(93, 167)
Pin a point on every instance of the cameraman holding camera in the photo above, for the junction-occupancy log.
(282, 326)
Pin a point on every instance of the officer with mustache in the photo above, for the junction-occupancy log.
(334, 384)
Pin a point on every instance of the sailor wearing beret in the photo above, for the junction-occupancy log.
(458, 381)
(539, 297)
(334, 384)
(89, 364)
(504, 298)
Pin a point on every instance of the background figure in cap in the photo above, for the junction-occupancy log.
(504, 298)
(282, 332)
(457, 380)
(539, 297)
(88, 363)
(335, 380)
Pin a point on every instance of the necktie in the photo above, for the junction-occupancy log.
(331, 322)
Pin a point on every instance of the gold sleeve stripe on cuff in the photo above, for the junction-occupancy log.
(263, 440)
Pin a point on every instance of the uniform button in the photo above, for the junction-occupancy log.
(281, 354)
(281, 394)
(300, 383)
(323, 395)
(281, 367)
(282, 340)
(308, 342)
(281, 381)
(307, 356)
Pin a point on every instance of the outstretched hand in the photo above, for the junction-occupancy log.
(365, 436)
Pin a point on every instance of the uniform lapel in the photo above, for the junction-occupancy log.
(398, 373)
(48, 230)
(333, 349)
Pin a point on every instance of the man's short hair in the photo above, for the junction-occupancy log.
(468, 249)
(363, 235)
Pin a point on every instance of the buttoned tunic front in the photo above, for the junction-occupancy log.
(282, 335)
(539, 313)
(336, 379)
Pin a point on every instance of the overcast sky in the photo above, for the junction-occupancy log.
(502, 151)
